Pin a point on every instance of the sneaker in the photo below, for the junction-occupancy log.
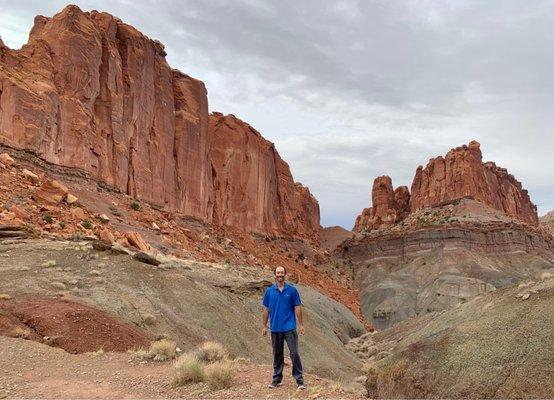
(301, 386)
(274, 385)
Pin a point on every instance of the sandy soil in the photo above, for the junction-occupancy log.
(33, 370)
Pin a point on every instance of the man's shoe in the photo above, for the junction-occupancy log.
(301, 386)
(274, 385)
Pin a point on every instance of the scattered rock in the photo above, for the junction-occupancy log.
(137, 241)
(155, 226)
(101, 245)
(6, 159)
(58, 285)
(104, 218)
(31, 176)
(50, 192)
(78, 213)
(146, 258)
(49, 264)
(71, 199)
(4, 296)
(20, 212)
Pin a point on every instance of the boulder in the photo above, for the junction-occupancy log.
(50, 192)
(136, 240)
(6, 160)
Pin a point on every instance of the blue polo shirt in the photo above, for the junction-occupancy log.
(281, 307)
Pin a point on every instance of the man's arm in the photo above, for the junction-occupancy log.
(299, 318)
(265, 318)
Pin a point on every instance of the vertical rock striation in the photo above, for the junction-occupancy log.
(388, 206)
(254, 188)
(90, 92)
(461, 173)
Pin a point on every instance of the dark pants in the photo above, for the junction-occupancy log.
(277, 341)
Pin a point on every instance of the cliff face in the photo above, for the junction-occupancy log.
(254, 188)
(90, 92)
(388, 206)
(460, 174)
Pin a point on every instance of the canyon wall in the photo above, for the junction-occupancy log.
(90, 92)
(460, 174)
(253, 185)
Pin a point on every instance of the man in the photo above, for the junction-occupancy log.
(282, 306)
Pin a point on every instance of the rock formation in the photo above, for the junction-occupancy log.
(388, 206)
(254, 188)
(90, 92)
(460, 174)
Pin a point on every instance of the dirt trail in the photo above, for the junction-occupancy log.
(33, 370)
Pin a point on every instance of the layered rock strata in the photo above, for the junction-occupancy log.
(460, 174)
(253, 185)
(92, 93)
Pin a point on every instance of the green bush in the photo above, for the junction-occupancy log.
(47, 218)
(135, 205)
(87, 224)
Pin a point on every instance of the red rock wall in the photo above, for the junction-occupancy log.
(388, 206)
(462, 173)
(254, 188)
(93, 93)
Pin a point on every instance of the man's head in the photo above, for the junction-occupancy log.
(280, 273)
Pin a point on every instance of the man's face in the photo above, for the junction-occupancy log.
(280, 274)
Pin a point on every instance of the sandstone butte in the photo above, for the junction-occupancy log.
(461, 173)
(90, 92)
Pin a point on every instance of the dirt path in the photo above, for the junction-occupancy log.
(33, 370)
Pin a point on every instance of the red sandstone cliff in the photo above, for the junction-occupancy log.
(461, 173)
(253, 185)
(90, 92)
(388, 206)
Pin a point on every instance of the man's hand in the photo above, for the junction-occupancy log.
(264, 331)
(301, 329)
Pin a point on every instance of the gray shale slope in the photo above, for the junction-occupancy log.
(497, 345)
(187, 300)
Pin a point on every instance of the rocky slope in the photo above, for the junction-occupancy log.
(187, 300)
(498, 345)
(440, 257)
(253, 185)
(547, 221)
(460, 174)
(92, 93)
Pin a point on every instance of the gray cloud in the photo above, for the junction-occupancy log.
(349, 90)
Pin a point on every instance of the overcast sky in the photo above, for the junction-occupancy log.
(350, 90)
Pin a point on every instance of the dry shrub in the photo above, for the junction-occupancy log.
(21, 333)
(220, 374)
(187, 369)
(163, 350)
(210, 352)
(5, 296)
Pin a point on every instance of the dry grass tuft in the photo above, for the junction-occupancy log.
(220, 374)
(4, 296)
(187, 369)
(163, 350)
(21, 333)
(210, 352)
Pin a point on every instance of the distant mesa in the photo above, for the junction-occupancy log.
(460, 174)
(92, 93)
